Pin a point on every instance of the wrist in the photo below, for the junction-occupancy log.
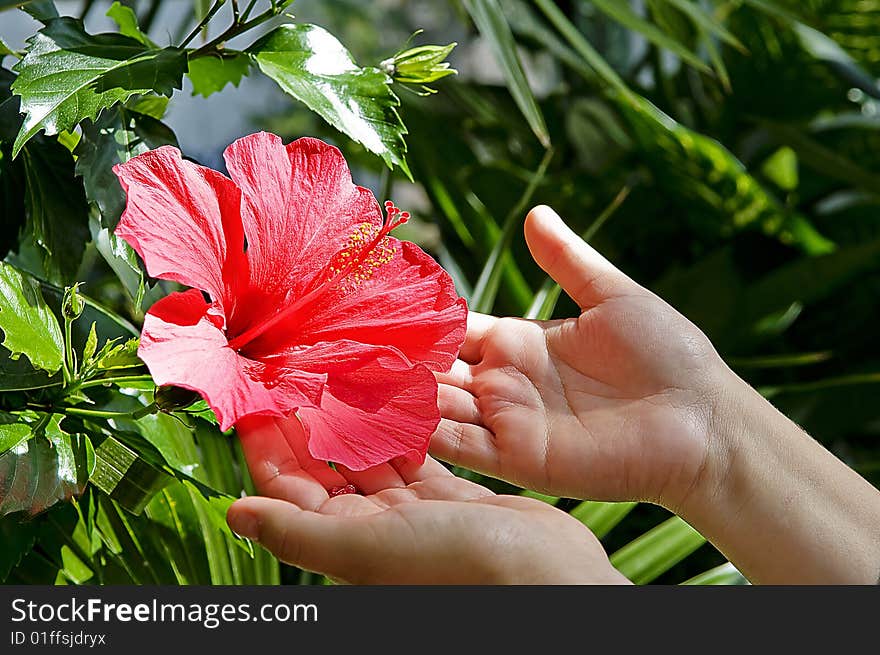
(779, 505)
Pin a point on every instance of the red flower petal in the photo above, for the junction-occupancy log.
(182, 344)
(408, 303)
(375, 405)
(183, 220)
(299, 208)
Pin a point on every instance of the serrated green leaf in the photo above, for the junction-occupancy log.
(310, 64)
(211, 74)
(119, 355)
(57, 211)
(29, 327)
(68, 75)
(42, 471)
(127, 21)
(41, 10)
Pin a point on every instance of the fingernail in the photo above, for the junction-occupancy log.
(244, 524)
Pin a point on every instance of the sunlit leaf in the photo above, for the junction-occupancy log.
(655, 552)
(42, 471)
(311, 65)
(726, 574)
(29, 327)
(127, 21)
(68, 75)
(211, 74)
(601, 517)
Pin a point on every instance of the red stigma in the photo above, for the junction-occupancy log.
(342, 491)
(395, 216)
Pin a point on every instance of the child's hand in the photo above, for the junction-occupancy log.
(614, 404)
(414, 525)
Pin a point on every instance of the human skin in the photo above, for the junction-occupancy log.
(413, 523)
(627, 401)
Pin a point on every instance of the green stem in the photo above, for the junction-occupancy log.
(247, 10)
(203, 23)
(69, 362)
(234, 30)
(73, 411)
(120, 380)
(89, 413)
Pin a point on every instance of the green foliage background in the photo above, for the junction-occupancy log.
(721, 152)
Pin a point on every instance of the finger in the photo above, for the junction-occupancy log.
(467, 445)
(460, 375)
(583, 273)
(414, 471)
(458, 405)
(445, 489)
(334, 545)
(296, 438)
(274, 468)
(478, 326)
(373, 479)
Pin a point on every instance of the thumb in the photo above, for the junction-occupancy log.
(583, 273)
(333, 545)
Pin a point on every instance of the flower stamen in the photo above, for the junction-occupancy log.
(361, 257)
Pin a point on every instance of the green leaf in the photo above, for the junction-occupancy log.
(29, 327)
(5, 49)
(782, 169)
(40, 472)
(119, 355)
(707, 177)
(57, 210)
(601, 518)
(68, 75)
(624, 14)
(584, 48)
(18, 539)
(486, 289)
(12, 208)
(41, 10)
(316, 69)
(125, 476)
(113, 138)
(655, 552)
(726, 574)
(13, 430)
(211, 74)
(490, 20)
(705, 21)
(181, 538)
(127, 21)
(91, 344)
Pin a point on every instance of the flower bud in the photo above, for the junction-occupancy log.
(72, 305)
(420, 65)
(169, 398)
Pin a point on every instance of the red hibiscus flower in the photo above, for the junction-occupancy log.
(301, 300)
